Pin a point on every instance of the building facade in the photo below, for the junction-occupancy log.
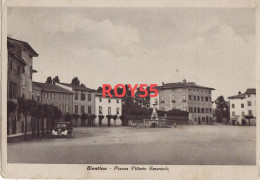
(19, 81)
(108, 106)
(243, 105)
(186, 96)
(51, 94)
(83, 99)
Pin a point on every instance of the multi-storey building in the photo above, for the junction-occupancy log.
(46, 93)
(242, 105)
(107, 106)
(186, 96)
(83, 98)
(19, 80)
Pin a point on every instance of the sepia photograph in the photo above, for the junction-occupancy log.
(156, 86)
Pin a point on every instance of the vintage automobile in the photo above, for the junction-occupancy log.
(63, 129)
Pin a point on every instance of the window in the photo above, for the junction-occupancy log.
(206, 98)
(60, 96)
(82, 109)
(195, 109)
(82, 97)
(198, 98)
(194, 98)
(11, 65)
(67, 108)
(190, 109)
(76, 109)
(243, 114)
(18, 70)
(76, 96)
(109, 101)
(202, 110)
(117, 101)
(250, 112)
(52, 95)
(45, 94)
(67, 97)
(100, 99)
(100, 109)
(117, 110)
(162, 99)
(89, 97)
(11, 90)
(31, 71)
(184, 98)
(201, 98)
(233, 105)
(190, 97)
(233, 113)
(89, 109)
(249, 103)
(173, 99)
(198, 110)
(242, 105)
(209, 110)
(109, 110)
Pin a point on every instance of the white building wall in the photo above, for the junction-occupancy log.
(105, 104)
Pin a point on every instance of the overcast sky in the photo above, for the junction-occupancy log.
(211, 47)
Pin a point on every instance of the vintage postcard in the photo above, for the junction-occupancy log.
(130, 89)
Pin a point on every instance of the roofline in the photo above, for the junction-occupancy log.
(42, 89)
(161, 87)
(27, 45)
(73, 88)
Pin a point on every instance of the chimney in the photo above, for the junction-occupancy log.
(239, 92)
(162, 83)
(184, 81)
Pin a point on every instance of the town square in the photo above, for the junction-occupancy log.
(184, 145)
(144, 86)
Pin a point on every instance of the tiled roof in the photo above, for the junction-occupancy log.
(239, 96)
(243, 95)
(182, 85)
(50, 87)
(74, 87)
(24, 43)
(250, 91)
(113, 96)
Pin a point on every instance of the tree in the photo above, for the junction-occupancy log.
(47, 115)
(249, 117)
(100, 90)
(83, 117)
(108, 119)
(49, 80)
(24, 107)
(34, 116)
(67, 117)
(57, 115)
(222, 109)
(11, 107)
(100, 118)
(75, 117)
(75, 81)
(56, 79)
(92, 118)
(115, 118)
(123, 119)
(83, 85)
(39, 116)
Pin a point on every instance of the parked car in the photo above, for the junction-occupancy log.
(63, 129)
